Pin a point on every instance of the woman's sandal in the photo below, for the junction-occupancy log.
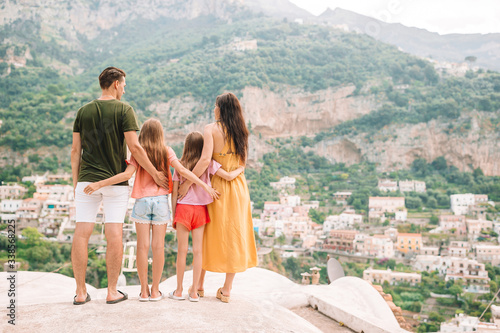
(201, 293)
(220, 296)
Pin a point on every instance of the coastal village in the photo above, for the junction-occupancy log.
(472, 239)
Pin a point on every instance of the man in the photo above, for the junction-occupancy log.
(100, 131)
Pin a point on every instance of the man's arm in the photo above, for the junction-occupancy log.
(142, 158)
(76, 156)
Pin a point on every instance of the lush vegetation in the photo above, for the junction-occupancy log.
(197, 58)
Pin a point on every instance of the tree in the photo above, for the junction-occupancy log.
(413, 202)
(431, 202)
(470, 59)
(316, 216)
(439, 164)
(434, 220)
(32, 236)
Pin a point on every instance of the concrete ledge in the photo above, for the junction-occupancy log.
(355, 303)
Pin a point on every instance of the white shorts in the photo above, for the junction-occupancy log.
(114, 199)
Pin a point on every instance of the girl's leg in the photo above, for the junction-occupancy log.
(228, 284)
(157, 244)
(202, 280)
(182, 248)
(142, 256)
(197, 258)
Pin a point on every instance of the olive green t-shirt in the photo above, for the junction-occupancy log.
(101, 124)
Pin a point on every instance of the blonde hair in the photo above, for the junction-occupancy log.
(152, 140)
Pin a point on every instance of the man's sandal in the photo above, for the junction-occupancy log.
(124, 297)
(220, 296)
(81, 303)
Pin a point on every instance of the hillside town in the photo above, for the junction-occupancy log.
(472, 240)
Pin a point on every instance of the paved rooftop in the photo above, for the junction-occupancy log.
(261, 301)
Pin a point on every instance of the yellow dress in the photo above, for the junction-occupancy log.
(229, 241)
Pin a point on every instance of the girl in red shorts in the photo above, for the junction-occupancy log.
(190, 212)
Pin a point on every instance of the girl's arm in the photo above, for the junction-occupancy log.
(121, 177)
(174, 198)
(203, 162)
(229, 175)
(191, 177)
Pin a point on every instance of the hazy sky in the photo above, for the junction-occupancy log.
(442, 16)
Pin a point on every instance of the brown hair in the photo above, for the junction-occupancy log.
(152, 140)
(193, 147)
(231, 118)
(110, 75)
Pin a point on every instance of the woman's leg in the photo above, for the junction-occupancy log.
(142, 256)
(228, 284)
(197, 258)
(182, 248)
(158, 246)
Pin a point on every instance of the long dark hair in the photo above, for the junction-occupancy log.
(193, 147)
(231, 118)
(152, 140)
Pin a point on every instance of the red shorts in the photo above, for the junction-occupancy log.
(191, 216)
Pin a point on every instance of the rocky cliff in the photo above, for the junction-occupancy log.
(465, 146)
(69, 19)
(470, 143)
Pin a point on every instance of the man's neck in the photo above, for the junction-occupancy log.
(107, 95)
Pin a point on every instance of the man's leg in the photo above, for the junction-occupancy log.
(79, 257)
(115, 200)
(114, 256)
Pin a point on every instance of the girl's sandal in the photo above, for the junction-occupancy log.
(220, 296)
(201, 293)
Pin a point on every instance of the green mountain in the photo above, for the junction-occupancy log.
(345, 95)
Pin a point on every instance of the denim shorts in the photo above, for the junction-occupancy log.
(151, 210)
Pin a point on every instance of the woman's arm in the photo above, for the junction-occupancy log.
(229, 175)
(121, 177)
(174, 198)
(192, 177)
(203, 162)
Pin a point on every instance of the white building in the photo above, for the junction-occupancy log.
(343, 221)
(401, 214)
(431, 263)
(284, 183)
(475, 228)
(429, 250)
(290, 200)
(488, 254)
(14, 191)
(387, 185)
(10, 205)
(379, 246)
(54, 192)
(393, 278)
(461, 323)
(461, 203)
(411, 186)
(472, 272)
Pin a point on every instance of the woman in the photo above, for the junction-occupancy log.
(229, 242)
